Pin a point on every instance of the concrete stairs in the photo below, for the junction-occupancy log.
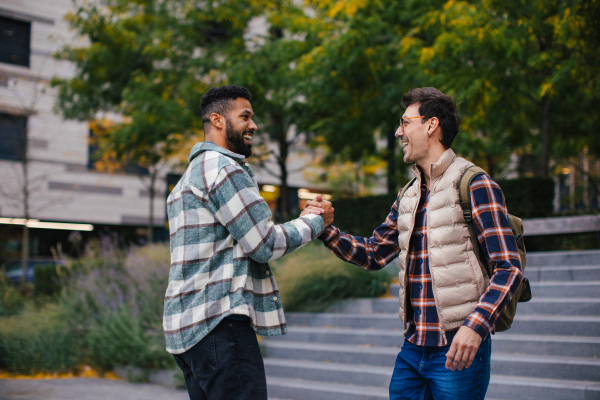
(552, 351)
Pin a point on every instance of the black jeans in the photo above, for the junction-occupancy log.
(225, 365)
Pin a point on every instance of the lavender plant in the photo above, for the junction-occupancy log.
(115, 301)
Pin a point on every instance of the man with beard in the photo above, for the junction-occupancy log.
(221, 289)
(451, 306)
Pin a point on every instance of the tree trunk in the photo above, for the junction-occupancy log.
(24, 253)
(25, 239)
(151, 193)
(391, 159)
(279, 130)
(546, 139)
(491, 165)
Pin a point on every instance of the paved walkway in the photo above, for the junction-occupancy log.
(85, 389)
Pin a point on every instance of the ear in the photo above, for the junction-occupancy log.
(217, 120)
(433, 122)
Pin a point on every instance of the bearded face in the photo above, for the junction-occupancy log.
(236, 141)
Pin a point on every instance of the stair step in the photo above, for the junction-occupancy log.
(501, 387)
(330, 372)
(556, 324)
(547, 258)
(503, 342)
(335, 353)
(566, 289)
(547, 367)
(523, 323)
(315, 390)
(563, 273)
(581, 368)
(550, 289)
(551, 345)
(526, 388)
(561, 306)
(537, 305)
(531, 366)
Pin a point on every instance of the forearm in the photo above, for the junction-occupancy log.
(369, 253)
(285, 238)
(503, 284)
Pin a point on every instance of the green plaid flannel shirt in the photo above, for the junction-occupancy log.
(222, 237)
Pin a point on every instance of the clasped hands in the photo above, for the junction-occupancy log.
(320, 207)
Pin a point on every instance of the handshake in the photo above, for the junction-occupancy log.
(320, 207)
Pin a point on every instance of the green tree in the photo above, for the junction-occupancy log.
(354, 79)
(148, 61)
(267, 68)
(524, 70)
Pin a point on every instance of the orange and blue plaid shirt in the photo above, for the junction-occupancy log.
(497, 244)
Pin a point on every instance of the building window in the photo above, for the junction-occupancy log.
(13, 131)
(15, 38)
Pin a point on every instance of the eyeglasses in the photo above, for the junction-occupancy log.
(404, 122)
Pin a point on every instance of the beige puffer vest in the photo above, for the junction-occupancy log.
(457, 279)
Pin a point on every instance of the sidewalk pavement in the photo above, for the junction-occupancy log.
(85, 389)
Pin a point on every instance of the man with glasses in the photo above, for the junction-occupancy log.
(449, 305)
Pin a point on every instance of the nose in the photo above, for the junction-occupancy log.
(399, 132)
(253, 125)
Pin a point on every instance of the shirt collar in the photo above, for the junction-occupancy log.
(210, 146)
(439, 167)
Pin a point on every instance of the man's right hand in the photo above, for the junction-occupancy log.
(325, 205)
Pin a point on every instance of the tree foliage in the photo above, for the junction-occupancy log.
(526, 73)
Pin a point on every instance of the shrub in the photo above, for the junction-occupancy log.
(529, 197)
(38, 340)
(116, 298)
(525, 198)
(360, 216)
(11, 301)
(46, 280)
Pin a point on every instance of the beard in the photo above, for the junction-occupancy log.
(235, 140)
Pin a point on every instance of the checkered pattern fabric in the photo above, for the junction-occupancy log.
(222, 237)
(497, 244)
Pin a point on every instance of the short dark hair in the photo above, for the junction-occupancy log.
(220, 100)
(433, 103)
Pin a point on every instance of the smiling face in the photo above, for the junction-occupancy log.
(240, 127)
(413, 135)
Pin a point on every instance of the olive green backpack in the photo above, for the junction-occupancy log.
(523, 293)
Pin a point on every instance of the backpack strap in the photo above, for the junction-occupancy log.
(405, 188)
(464, 190)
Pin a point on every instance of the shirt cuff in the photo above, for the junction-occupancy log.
(316, 222)
(329, 234)
(479, 324)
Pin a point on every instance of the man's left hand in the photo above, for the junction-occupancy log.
(463, 349)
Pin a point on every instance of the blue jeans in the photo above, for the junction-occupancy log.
(420, 373)
(225, 365)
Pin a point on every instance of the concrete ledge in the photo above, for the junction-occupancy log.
(557, 225)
